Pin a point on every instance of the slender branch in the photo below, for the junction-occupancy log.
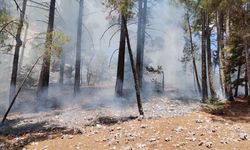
(112, 56)
(113, 36)
(5, 25)
(20, 88)
(108, 29)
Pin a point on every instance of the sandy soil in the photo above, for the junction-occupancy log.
(196, 131)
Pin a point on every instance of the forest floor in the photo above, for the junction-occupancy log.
(170, 123)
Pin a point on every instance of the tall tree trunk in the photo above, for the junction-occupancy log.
(136, 79)
(246, 84)
(237, 84)
(247, 47)
(193, 54)
(210, 65)
(121, 61)
(78, 51)
(62, 64)
(16, 55)
(139, 42)
(24, 45)
(220, 46)
(141, 29)
(203, 59)
(43, 85)
(229, 90)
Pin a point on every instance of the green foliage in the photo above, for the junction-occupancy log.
(59, 39)
(124, 7)
(214, 106)
(7, 28)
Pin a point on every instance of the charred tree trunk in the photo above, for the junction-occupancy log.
(16, 54)
(121, 61)
(193, 54)
(136, 79)
(78, 51)
(62, 64)
(203, 59)
(237, 84)
(141, 29)
(43, 85)
(24, 45)
(209, 61)
(139, 42)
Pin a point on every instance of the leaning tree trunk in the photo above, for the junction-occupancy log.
(78, 51)
(193, 54)
(13, 81)
(203, 59)
(43, 85)
(121, 61)
(136, 79)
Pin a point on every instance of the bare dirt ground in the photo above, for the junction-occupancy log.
(171, 122)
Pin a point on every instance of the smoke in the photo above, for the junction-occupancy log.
(164, 46)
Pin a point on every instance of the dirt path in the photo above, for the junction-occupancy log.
(196, 131)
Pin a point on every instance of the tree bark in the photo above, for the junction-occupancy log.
(78, 51)
(62, 63)
(43, 85)
(13, 81)
(220, 46)
(136, 80)
(121, 61)
(238, 78)
(24, 45)
(247, 47)
(209, 60)
(203, 55)
(228, 86)
(141, 29)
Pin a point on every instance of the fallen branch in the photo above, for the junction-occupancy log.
(14, 99)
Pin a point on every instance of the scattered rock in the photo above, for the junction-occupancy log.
(128, 148)
(209, 144)
(168, 139)
(178, 129)
(180, 144)
(223, 141)
(118, 128)
(98, 126)
(243, 136)
(152, 140)
(201, 143)
(143, 126)
(141, 146)
(199, 121)
(191, 138)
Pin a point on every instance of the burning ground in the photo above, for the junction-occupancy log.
(106, 123)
